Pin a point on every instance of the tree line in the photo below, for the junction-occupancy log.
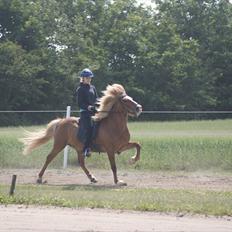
(176, 55)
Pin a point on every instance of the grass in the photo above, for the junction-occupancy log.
(160, 200)
(172, 146)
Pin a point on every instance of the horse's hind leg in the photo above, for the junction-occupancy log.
(55, 150)
(81, 161)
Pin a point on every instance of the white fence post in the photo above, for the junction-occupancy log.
(68, 112)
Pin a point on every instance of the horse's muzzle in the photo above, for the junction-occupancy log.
(139, 110)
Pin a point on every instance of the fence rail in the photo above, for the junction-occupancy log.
(144, 112)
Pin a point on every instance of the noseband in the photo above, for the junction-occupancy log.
(125, 106)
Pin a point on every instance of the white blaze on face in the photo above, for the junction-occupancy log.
(139, 110)
(137, 107)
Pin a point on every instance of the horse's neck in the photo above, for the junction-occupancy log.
(117, 120)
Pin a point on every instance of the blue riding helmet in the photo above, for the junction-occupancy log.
(86, 73)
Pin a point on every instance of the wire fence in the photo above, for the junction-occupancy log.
(35, 117)
(144, 112)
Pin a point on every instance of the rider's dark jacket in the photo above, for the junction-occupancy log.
(86, 96)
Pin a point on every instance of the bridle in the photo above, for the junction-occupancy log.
(127, 109)
(124, 95)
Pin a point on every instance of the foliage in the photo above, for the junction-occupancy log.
(177, 55)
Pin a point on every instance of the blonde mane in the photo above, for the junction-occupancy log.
(110, 96)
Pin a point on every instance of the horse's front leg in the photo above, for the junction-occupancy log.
(81, 161)
(111, 156)
(130, 145)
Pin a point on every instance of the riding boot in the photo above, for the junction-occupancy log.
(87, 152)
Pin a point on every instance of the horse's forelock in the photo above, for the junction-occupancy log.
(118, 89)
(115, 90)
(110, 95)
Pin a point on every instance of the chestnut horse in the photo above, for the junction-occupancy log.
(112, 137)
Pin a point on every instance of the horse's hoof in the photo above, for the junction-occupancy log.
(132, 161)
(121, 183)
(93, 179)
(39, 181)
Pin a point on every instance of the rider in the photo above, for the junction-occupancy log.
(86, 99)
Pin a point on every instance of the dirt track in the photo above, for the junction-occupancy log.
(21, 218)
(134, 179)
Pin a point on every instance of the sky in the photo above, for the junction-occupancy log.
(149, 2)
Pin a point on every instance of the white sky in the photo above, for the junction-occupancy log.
(149, 2)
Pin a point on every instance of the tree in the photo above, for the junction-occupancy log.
(177, 56)
(208, 22)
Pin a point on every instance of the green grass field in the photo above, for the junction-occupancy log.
(160, 200)
(173, 146)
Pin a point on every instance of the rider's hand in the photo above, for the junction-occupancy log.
(92, 109)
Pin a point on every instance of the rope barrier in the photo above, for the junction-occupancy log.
(143, 112)
(188, 112)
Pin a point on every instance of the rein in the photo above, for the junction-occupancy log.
(112, 111)
(124, 108)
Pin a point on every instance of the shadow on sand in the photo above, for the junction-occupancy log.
(89, 187)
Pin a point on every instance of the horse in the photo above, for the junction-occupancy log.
(112, 137)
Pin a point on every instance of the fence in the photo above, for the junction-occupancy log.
(144, 112)
(35, 117)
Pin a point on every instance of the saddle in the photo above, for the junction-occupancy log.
(81, 135)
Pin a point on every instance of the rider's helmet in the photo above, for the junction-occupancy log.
(86, 73)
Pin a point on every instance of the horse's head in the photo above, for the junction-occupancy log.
(132, 107)
(114, 100)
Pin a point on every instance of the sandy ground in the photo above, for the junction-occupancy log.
(21, 218)
(134, 179)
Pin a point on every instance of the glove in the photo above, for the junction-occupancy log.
(92, 109)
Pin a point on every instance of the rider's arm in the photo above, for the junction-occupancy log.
(81, 99)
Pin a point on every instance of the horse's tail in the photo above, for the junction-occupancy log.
(35, 139)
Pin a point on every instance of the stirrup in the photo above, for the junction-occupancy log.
(87, 152)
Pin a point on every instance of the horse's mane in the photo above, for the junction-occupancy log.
(110, 96)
